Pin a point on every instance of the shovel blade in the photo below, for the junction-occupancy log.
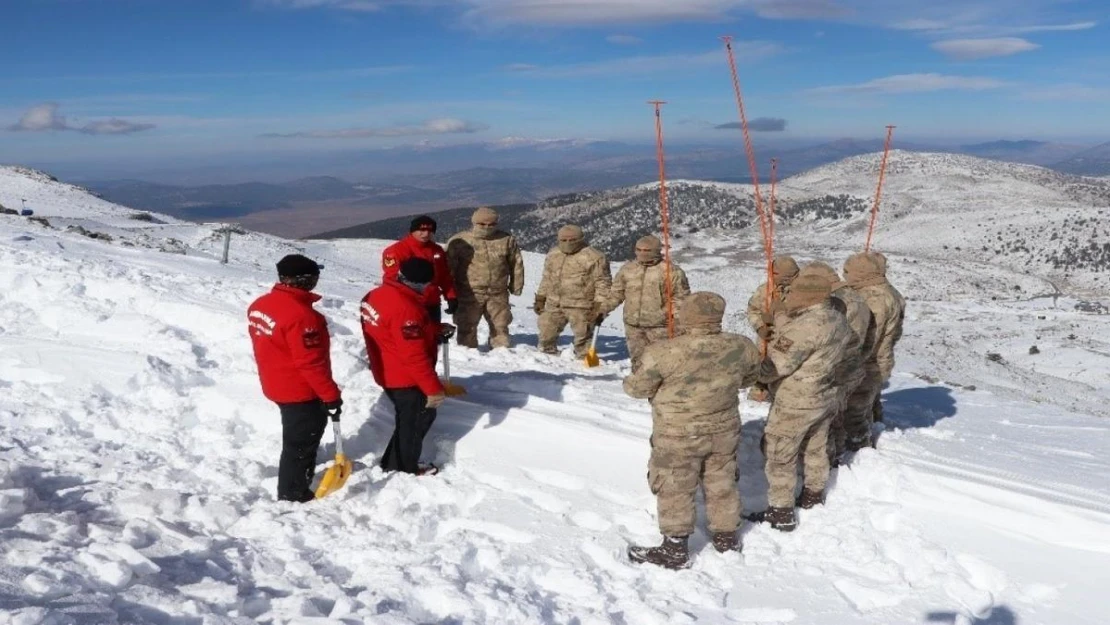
(591, 358)
(451, 389)
(335, 477)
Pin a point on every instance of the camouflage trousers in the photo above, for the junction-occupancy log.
(551, 324)
(794, 434)
(638, 340)
(859, 414)
(679, 464)
(494, 309)
(838, 434)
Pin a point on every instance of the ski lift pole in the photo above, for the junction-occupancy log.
(664, 210)
(879, 189)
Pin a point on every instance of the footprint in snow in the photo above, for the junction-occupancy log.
(555, 478)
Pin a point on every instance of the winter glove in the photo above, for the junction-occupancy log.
(764, 332)
(452, 305)
(538, 306)
(334, 408)
(446, 331)
(767, 318)
(517, 291)
(435, 401)
(777, 307)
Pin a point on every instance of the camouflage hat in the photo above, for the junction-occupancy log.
(861, 266)
(702, 309)
(785, 268)
(808, 289)
(650, 242)
(484, 214)
(571, 231)
(821, 269)
(880, 261)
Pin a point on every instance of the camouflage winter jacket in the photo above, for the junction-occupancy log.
(757, 304)
(693, 382)
(888, 309)
(802, 362)
(485, 266)
(642, 290)
(580, 280)
(862, 345)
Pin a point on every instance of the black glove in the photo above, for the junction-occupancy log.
(446, 331)
(452, 305)
(598, 318)
(334, 409)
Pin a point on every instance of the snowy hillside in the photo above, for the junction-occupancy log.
(138, 457)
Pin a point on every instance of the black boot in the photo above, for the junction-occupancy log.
(810, 499)
(724, 542)
(672, 554)
(781, 519)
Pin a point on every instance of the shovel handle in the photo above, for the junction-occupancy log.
(338, 431)
(446, 361)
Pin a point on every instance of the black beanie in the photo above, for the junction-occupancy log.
(295, 265)
(422, 222)
(417, 270)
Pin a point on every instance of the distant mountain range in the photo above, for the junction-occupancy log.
(972, 209)
(519, 171)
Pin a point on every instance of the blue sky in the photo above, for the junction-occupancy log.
(143, 80)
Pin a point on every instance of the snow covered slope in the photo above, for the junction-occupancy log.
(138, 461)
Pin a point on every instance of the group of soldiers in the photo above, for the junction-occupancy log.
(826, 350)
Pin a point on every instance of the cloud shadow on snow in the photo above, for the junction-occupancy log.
(999, 615)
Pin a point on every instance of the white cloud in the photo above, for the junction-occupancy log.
(440, 126)
(972, 49)
(913, 83)
(624, 40)
(45, 117)
(363, 6)
(520, 67)
(638, 65)
(40, 118)
(1057, 27)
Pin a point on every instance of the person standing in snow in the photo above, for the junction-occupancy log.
(877, 410)
(420, 243)
(864, 272)
(693, 383)
(487, 266)
(785, 269)
(292, 350)
(401, 341)
(861, 349)
(801, 369)
(575, 284)
(641, 286)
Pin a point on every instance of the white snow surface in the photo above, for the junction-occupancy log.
(138, 459)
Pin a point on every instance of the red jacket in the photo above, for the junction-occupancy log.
(409, 247)
(291, 346)
(400, 338)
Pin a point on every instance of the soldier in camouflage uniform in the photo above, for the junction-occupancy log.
(575, 284)
(863, 273)
(487, 266)
(801, 368)
(785, 269)
(877, 410)
(692, 382)
(860, 349)
(641, 286)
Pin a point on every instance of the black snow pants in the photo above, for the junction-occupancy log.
(412, 422)
(302, 426)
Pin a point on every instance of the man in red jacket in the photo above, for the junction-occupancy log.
(292, 350)
(421, 244)
(401, 345)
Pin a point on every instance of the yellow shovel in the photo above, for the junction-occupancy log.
(336, 475)
(449, 389)
(591, 356)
